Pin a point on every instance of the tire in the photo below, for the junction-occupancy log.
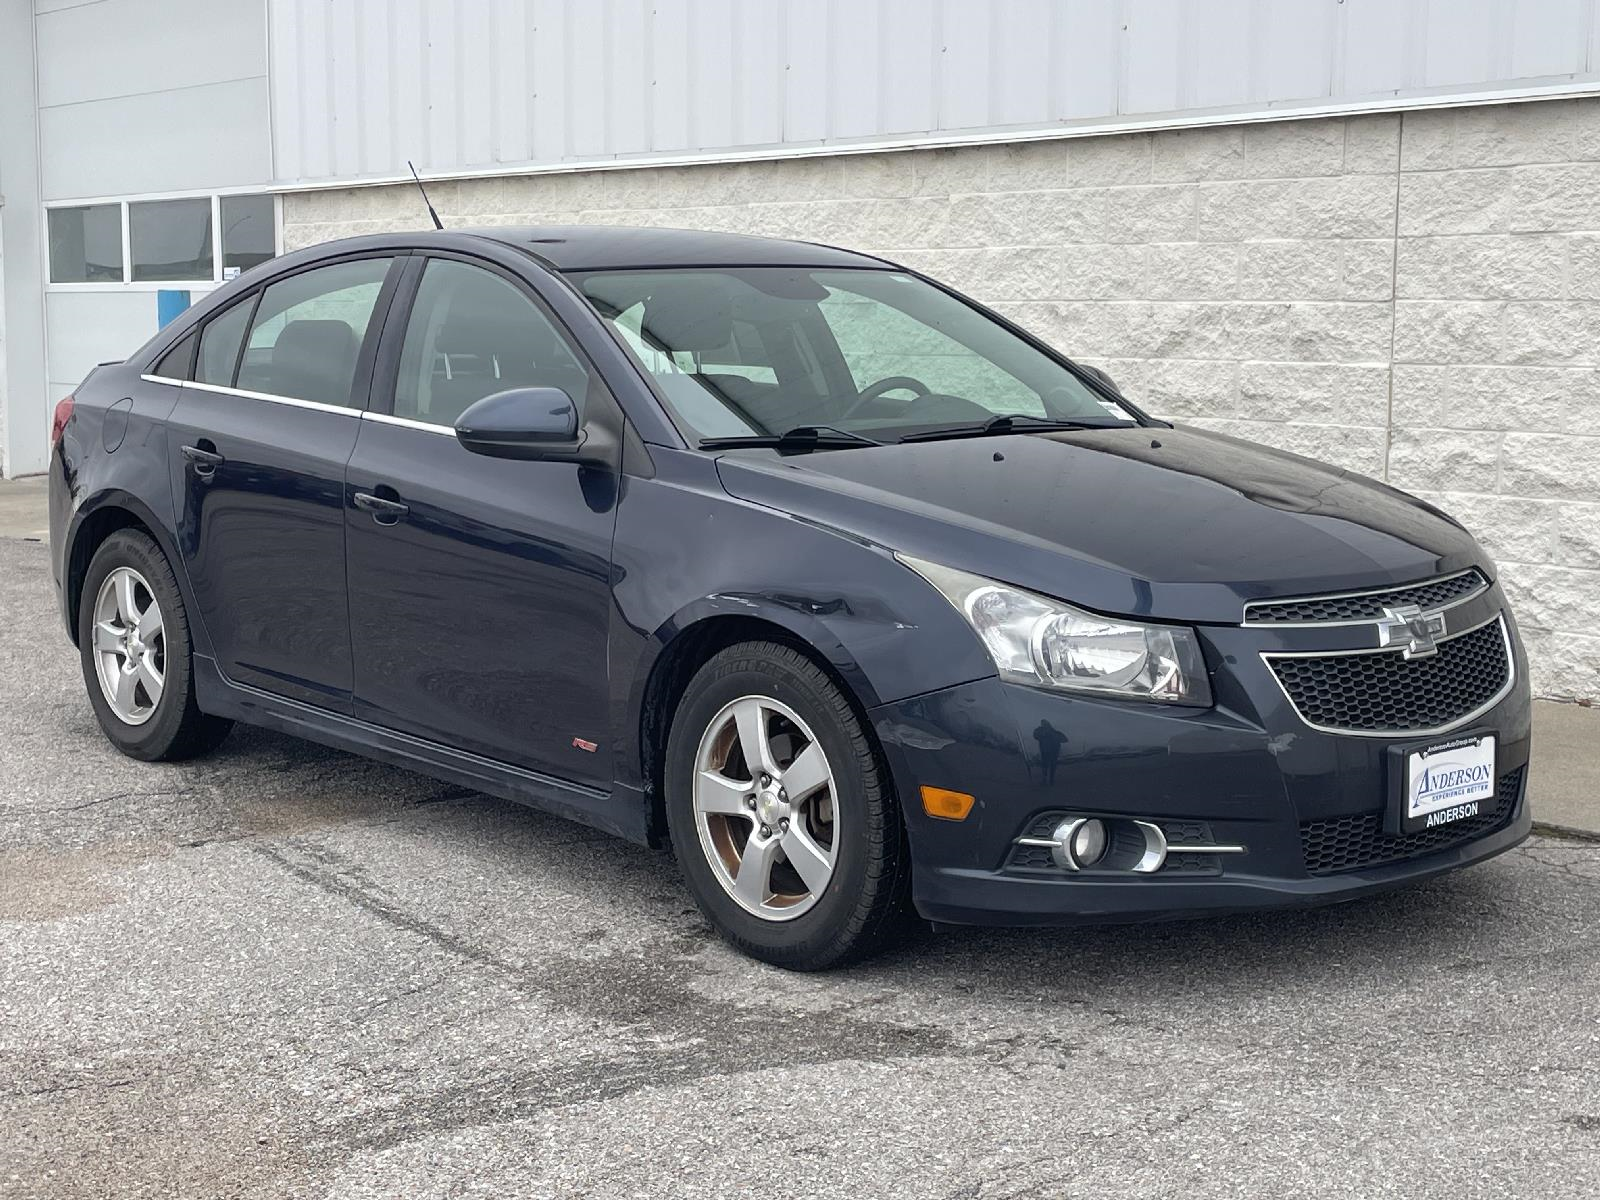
(145, 721)
(851, 821)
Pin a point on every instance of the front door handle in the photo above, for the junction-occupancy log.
(205, 459)
(384, 512)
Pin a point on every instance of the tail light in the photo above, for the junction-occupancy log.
(59, 425)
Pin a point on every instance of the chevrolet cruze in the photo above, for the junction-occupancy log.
(863, 598)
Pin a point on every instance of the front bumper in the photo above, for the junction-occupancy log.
(1249, 772)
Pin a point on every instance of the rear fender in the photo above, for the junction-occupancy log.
(87, 519)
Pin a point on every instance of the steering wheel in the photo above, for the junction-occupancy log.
(873, 391)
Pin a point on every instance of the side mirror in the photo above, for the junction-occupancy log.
(529, 423)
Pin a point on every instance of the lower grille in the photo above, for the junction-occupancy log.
(1384, 692)
(1354, 843)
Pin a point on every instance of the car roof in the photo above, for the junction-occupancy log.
(612, 247)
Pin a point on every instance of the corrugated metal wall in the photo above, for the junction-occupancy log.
(359, 86)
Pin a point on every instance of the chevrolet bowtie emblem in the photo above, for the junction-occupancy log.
(1410, 627)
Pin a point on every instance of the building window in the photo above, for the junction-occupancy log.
(86, 244)
(249, 236)
(183, 240)
(171, 239)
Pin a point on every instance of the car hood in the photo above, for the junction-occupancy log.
(1175, 523)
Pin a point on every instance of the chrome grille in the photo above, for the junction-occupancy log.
(1351, 843)
(1383, 692)
(1365, 606)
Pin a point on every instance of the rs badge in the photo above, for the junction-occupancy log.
(1410, 627)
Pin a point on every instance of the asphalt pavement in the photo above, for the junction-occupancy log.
(282, 971)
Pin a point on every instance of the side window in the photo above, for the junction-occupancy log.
(174, 364)
(472, 334)
(219, 344)
(308, 331)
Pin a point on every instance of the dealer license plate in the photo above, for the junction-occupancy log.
(1448, 781)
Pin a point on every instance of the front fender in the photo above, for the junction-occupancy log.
(794, 614)
(686, 553)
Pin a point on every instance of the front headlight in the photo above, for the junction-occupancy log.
(1045, 643)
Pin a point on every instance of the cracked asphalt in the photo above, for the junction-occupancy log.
(282, 971)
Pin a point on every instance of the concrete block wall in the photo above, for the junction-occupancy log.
(1415, 297)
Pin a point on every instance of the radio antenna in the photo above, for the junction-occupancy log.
(437, 224)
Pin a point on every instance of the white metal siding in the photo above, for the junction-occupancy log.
(151, 96)
(359, 86)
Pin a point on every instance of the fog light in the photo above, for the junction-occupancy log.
(1089, 842)
(1079, 842)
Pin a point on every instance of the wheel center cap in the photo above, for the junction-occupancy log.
(770, 809)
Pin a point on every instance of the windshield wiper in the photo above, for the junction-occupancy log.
(799, 439)
(1011, 423)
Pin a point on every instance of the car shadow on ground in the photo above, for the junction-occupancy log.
(1452, 923)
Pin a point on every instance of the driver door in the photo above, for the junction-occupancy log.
(480, 588)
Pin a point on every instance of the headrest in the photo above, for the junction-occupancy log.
(689, 314)
(305, 343)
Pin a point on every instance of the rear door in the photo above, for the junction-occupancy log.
(480, 588)
(258, 446)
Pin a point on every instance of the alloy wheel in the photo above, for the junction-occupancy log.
(764, 807)
(130, 646)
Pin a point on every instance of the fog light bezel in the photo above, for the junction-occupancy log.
(1150, 858)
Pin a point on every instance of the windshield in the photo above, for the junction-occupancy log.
(762, 350)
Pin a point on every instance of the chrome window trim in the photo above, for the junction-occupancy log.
(163, 379)
(1247, 623)
(409, 423)
(294, 402)
(1267, 657)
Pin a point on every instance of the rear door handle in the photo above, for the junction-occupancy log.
(384, 512)
(205, 461)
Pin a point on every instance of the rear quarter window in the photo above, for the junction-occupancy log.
(176, 362)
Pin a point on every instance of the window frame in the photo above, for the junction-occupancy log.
(386, 369)
(361, 384)
(127, 283)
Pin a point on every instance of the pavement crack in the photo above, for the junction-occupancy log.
(71, 808)
(338, 885)
(71, 1087)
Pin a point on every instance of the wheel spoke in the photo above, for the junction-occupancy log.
(753, 883)
(107, 638)
(150, 623)
(715, 793)
(152, 679)
(806, 773)
(807, 858)
(127, 602)
(751, 719)
(122, 692)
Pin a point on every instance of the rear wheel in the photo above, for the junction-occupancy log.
(133, 639)
(782, 819)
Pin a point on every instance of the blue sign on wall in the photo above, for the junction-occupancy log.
(169, 303)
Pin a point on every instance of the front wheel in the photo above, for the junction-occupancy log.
(133, 638)
(782, 819)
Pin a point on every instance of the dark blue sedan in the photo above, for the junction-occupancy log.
(861, 596)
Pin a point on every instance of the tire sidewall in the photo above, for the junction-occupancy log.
(152, 739)
(819, 927)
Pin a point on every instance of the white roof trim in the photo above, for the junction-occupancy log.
(1566, 88)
